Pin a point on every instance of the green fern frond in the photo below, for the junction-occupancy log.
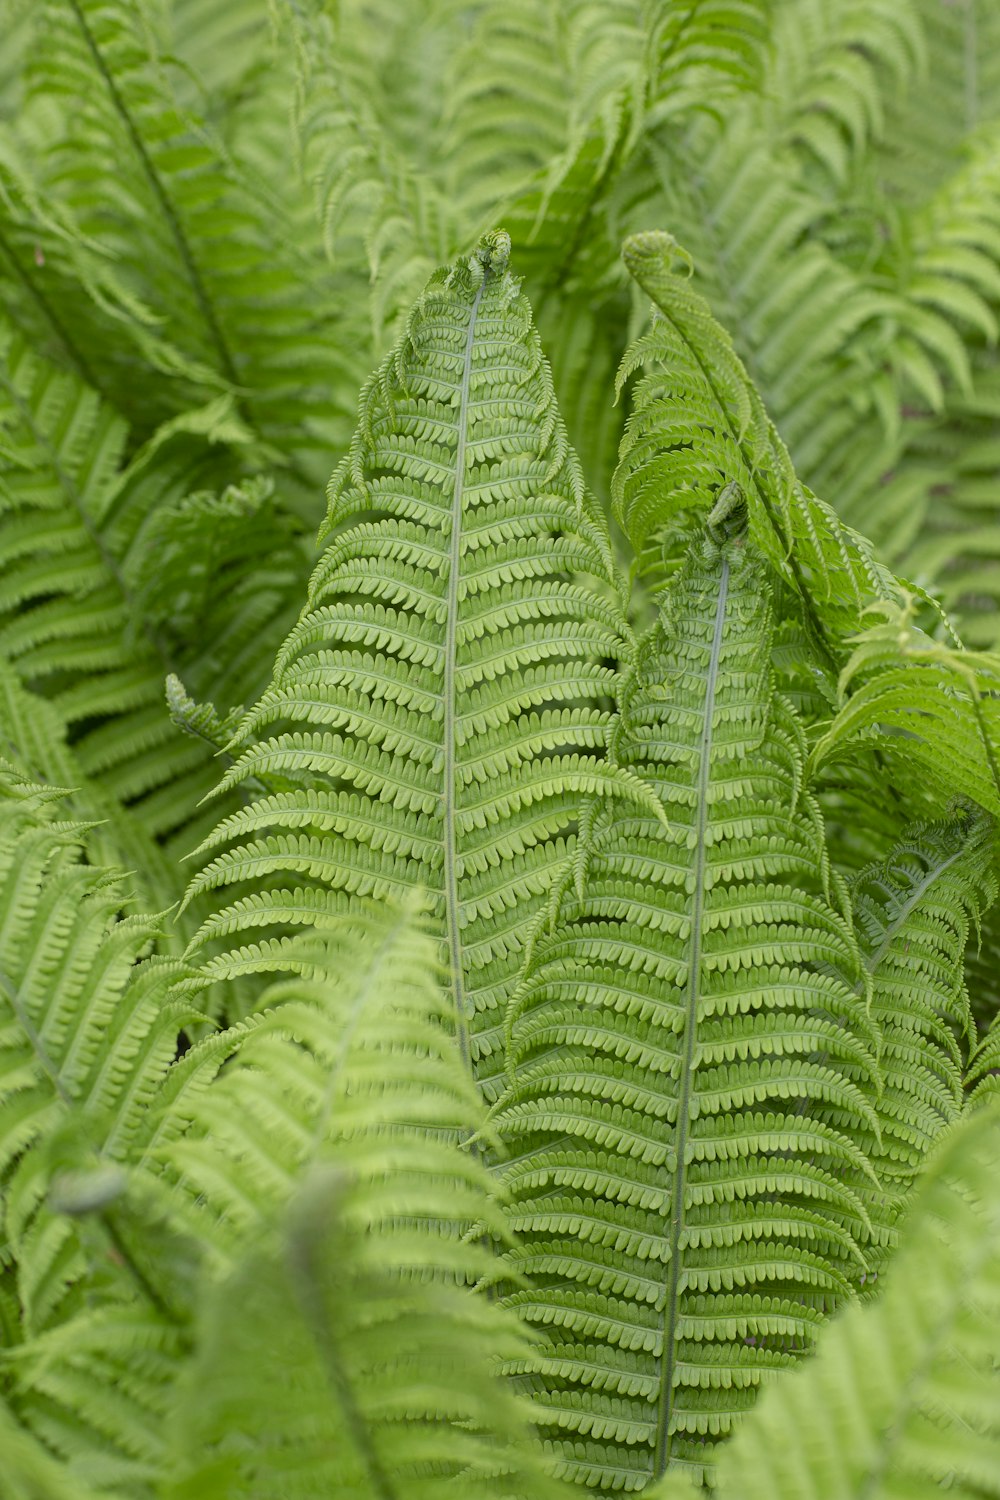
(698, 425)
(928, 127)
(31, 1473)
(375, 204)
(239, 304)
(88, 1034)
(114, 576)
(912, 914)
(690, 1065)
(903, 1397)
(926, 705)
(446, 696)
(368, 1365)
(33, 739)
(832, 70)
(363, 1030)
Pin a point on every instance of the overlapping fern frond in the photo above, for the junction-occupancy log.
(446, 697)
(88, 1034)
(903, 1397)
(913, 914)
(114, 575)
(218, 295)
(698, 427)
(691, 1064)
(926, 705)
(329, 1152)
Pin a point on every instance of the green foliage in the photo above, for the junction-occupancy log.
(444, 700)
(902, 1398)
(467, 1020)
(687, 1049)
(368, 1365)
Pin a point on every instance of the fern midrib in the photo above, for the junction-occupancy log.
(661, 1455)
(449, 706)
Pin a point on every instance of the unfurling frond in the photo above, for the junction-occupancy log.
(690, 1064)
(445, 700)
(698, 425)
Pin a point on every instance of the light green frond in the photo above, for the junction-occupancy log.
(87, 1033)
(31, 1473)
(446, 697)
(942, 267)
(703, 55)
(368, 1365)
(377, 205)
(698, 425)
(929, 707)
(927, 128)
(33, 739)
(912, 914)
(689, 1065)
(903, 1397)
(984, 1069)
(832, 69)
(112, 576)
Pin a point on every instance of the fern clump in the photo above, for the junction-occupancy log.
(500, 998)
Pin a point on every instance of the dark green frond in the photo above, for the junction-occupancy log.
(690, 1065)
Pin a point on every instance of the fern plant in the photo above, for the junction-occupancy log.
(583, 1006)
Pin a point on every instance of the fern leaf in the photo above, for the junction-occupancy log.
(925, 704)
(689, 1066)
(375, 203)
(31, 1473)
(87, 1034)
(339, 1213)
(114, 575)
(832, 73)
(984, 1067)
(698, 425)
(903, 1396)
(912, 912)
(444, 700)
(195, 239)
